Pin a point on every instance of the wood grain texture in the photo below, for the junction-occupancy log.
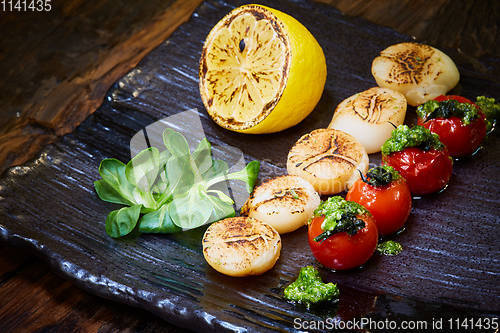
(57, 66)
(34, 299)
(50, 205)
(471, 26)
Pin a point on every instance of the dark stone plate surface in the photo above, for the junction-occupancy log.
(450, 264)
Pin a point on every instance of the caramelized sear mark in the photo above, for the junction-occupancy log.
(369, 106)
(411, 64)
(334, 152)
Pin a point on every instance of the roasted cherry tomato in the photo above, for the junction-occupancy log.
(459, 138)
(342, 251)
(425, 171)
(420, 157)
(386, 195)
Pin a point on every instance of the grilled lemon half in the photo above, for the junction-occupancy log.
(261, 71)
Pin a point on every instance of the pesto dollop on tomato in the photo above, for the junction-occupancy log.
(490, 108)
(309, 289)
(446, 109)
(381, 175)
(417, 136)
(340, 216)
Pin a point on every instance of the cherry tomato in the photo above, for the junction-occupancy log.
(390, 205)
(424, 171)
(460, 139)
(342, 251)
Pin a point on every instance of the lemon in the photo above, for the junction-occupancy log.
(261, 71)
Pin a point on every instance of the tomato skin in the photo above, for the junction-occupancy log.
(390, 205)
(457, 98)
(342, 251)
(460, 139)
(424, 171)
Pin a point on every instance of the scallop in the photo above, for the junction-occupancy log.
(370, 116)
(328, 159)
(420, 72)
(241, 246)
(285, 203)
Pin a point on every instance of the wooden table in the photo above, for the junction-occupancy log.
(56, 68)
(33, 298)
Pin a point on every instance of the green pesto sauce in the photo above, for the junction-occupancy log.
(381, 175)
(446, 109)
(490, 108)
(390, 248)
(418, 136)
(309, 289)
(335, 209)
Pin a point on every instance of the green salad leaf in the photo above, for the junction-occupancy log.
(247, 175)
(122, 221)
(142, 170)
(114, 186)
(158, 222)
(176, 143)
(172, 188)
(107, 192)
(191, 209)
(218, 168)
(203, 156)
(180, 174)
(221, 209)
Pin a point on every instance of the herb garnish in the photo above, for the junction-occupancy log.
(380, 176)
(446, 109)
(171, 188)
(340, 216)
(309, 289)
(390, 248)
(418, 136)
(490, 108)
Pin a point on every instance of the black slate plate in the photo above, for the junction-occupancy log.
(449, 266)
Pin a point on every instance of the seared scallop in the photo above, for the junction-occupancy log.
(328, 159)
(285, 203)
(370, 116)
(420, 72)
(241, 246)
